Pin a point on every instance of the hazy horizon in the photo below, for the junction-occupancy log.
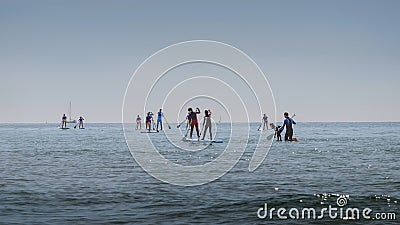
(326, 61)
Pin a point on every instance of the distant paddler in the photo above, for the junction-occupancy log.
(160, 116)
(138, 122)
(149, 121)
(80, 122)
(64, 121)
(265, 121)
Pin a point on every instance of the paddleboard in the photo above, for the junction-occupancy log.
(82, 128)
(205, 140)
(149, 132)
(65, 128)
(293, 140)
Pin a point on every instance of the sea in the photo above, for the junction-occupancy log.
(89, 176)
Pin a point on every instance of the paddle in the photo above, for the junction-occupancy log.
(260, 125)
(76, 125)
(187, 131)
(169, 127)
(179, 125)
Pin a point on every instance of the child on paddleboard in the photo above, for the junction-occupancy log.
(277, 133)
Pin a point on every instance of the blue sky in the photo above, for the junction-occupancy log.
(325, 60)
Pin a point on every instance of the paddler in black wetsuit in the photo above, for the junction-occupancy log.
(288, 123)
(193, 121)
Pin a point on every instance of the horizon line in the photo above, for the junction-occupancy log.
(220, 122)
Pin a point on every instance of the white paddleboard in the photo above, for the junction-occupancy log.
(205, 140)
(149, 132)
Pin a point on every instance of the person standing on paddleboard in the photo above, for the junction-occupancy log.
(288, 123)
(80, 121)
(64, 121)
(160, 114)
(265, 121)
(207, 123)
(138, 122)
(194, 122)
(149, 119)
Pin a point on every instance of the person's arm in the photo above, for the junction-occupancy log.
(198, 111)
(283, 126)
(293, 121)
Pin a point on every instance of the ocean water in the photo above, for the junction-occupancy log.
(53, 176)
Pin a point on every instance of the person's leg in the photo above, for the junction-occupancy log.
(197, 130)
(209, 130)
(191, 129)
(205, 131)
(289, 135)
(161, 124)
